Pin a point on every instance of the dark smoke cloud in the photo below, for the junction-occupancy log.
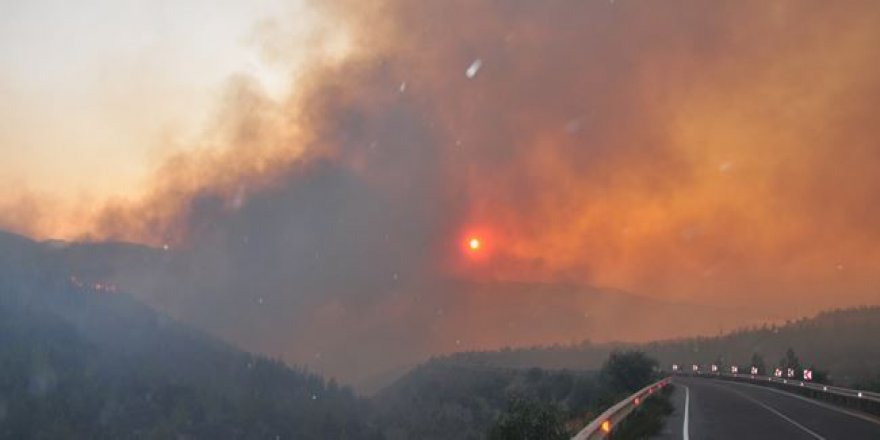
(714, 152)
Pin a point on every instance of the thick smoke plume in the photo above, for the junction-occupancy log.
(722, 153)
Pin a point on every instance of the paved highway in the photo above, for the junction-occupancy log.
(721, 410)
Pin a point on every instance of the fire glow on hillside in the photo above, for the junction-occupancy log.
(94, 287)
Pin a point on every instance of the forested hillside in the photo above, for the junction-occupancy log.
(841, 342)
(82, 360)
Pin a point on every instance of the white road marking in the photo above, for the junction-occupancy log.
(816, 402)
(687, 408)
(783, 416)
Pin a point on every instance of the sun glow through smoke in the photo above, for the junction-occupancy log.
(474, 244)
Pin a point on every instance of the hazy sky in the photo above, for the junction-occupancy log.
(95, 93)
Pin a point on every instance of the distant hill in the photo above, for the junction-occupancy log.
(842, 342)
(502, 313)
(82, 359)
(452, 314)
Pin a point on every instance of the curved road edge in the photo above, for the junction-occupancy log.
(722, 409)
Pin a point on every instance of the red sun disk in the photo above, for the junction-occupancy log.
(474, 246)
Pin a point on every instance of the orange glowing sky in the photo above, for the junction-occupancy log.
(709, 152)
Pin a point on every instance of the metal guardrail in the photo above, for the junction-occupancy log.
(601, 426)
(866, 401)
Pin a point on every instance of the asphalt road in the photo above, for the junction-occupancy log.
(717, 409)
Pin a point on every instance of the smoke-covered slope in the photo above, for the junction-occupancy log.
(434, 316)
(81, 359)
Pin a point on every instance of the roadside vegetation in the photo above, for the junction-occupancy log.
(441, 400)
